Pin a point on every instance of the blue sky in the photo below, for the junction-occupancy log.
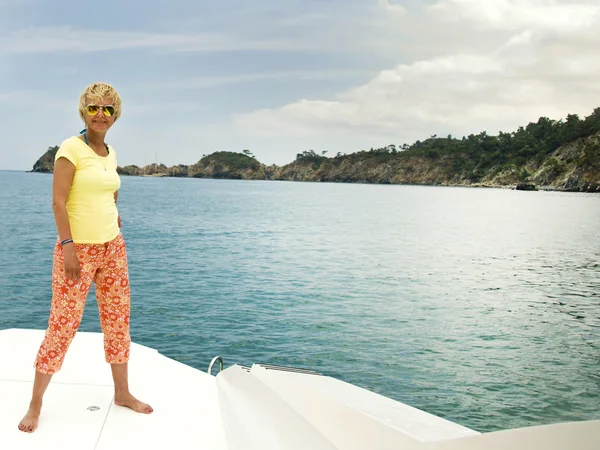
(280, 77)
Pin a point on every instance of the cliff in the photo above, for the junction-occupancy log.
(46, 162)
(574, 166)
(546, 154)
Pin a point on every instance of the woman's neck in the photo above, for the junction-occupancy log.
(95, 139)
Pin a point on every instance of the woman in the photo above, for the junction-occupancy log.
(90, 249)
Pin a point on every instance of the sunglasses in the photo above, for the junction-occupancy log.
(107, 110)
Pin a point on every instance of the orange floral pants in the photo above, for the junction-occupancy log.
(106, 266)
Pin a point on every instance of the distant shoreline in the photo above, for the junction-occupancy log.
(546, 155)
(473, 186)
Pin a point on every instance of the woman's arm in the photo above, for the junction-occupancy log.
(64, 170)
(119, 217)
(61, 184)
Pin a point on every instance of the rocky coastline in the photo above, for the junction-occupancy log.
(530, 159)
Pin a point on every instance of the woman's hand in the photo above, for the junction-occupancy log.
(72, 267)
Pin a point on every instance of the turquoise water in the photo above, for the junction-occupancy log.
(478, 305)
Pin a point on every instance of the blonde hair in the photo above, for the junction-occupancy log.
(95, 92)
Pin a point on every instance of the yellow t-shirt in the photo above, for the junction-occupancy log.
(93, 214)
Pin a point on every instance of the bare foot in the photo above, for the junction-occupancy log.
(29, 423)
(130, 401)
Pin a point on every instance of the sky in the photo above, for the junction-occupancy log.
(278, 77)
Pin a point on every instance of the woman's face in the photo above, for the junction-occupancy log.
(98, 116)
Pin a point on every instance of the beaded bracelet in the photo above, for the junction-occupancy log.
(66, 241)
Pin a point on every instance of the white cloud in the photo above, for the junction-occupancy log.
(79, 40)
(392, 7)
(353, 29)
(349, 31)
(209, 82)
(43, 101)
(533, 73)
(421, 91)
(548, 15)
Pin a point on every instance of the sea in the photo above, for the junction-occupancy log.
(479, 305)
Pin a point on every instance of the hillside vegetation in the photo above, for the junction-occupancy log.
(547, 154)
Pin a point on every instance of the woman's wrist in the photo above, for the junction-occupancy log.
(66, 241)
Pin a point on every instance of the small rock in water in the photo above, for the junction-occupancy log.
(525, 186)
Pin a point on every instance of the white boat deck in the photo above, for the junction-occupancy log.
(262, 407)
(186, 411)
